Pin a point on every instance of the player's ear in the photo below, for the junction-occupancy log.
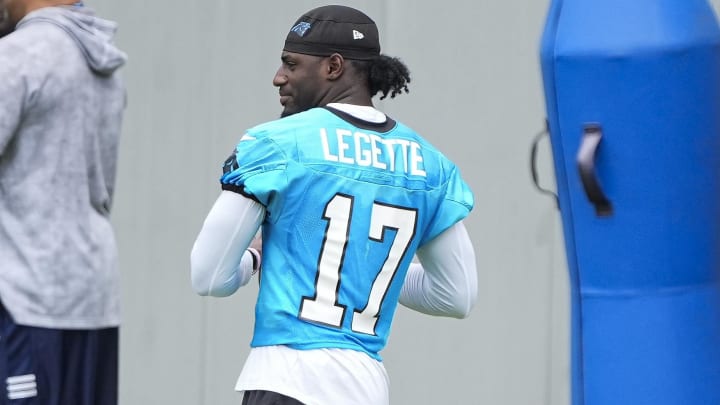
(335, 66)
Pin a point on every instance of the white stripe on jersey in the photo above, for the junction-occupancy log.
(21, 386)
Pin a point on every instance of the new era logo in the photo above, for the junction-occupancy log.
(358, 35)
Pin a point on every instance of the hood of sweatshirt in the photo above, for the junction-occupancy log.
(93, 34)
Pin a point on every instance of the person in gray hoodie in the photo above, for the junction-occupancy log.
(61, 108)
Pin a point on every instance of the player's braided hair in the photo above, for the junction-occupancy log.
(385, 74)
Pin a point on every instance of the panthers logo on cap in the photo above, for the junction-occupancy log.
(301, 28)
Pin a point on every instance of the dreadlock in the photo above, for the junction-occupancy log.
(385, 74)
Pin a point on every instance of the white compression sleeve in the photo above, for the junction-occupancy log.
(219, 261)
(444, 283)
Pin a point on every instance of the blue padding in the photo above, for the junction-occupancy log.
(645, 280)
(654, 348)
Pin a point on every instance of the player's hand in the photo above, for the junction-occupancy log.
(257, 243)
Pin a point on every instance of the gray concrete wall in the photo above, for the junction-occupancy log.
(200, 73)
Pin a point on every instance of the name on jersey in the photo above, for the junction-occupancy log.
(370, 150)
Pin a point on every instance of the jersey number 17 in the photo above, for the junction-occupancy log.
(324, 307)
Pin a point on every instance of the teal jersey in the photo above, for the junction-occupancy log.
(348, 203)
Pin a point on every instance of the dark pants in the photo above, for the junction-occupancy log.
(268, 398)
(40, 366)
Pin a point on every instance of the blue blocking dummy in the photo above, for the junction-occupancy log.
(632, 93)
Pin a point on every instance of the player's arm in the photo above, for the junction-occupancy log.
(444, 283)
(220, 261)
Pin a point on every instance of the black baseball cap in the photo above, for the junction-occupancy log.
(334, 29)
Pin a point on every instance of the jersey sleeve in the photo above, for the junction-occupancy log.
(456, 204)
(257, 170)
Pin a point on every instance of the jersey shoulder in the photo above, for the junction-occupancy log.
(292, 124)
(443, 169)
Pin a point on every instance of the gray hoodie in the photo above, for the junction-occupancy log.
(61, 106)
